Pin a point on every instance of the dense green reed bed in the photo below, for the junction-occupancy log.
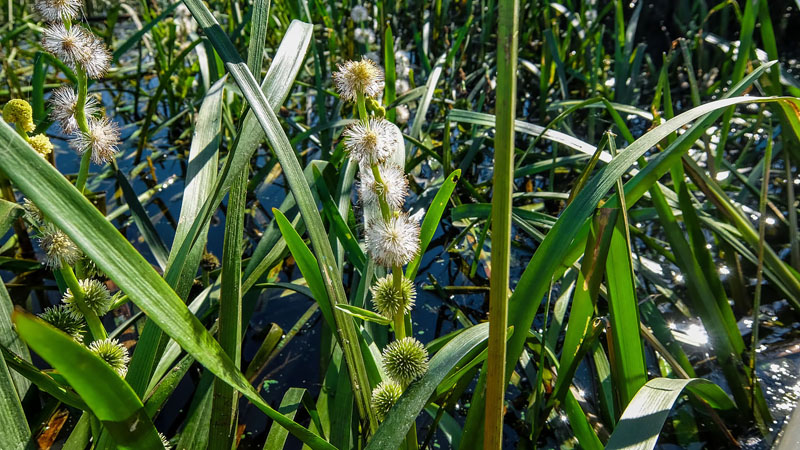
(381, 225)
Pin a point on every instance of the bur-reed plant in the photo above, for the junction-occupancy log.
(377, 181)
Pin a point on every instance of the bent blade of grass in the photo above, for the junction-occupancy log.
(263, 111)
(112, 401)
(488, 120)
(549, 255)
(85, 225)
(640, 424)
(43, 380)
(403, 414)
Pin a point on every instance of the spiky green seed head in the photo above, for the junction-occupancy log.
(61, 317)
(384, 396)
(113, 353)
(32, 212)
(20, 113)
(96, 297)
(388, 300)
(90, 269)
(58, 247)
(405, 360)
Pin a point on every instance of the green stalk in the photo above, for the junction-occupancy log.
(385, 211)
(96, 328)
(400, 317)
(362, 108)
(83, 125)
(507, 31)
(762, 210)
(225, 403)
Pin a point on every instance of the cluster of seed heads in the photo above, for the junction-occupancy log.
(81, 50)
(392, 238)
(20, 113)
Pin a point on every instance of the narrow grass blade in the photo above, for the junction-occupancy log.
(307, 264)
(142, 221)
(15, 433)
(627, 359)
(229, 334)
(502, 191)
(292, 400)
(8, 337)
(364, 314)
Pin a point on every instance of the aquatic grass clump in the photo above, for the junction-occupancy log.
(517, 206)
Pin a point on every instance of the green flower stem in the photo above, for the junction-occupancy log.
(362, 108)
(386, 212)
(83, 125)
(400, 317)
(96, 328)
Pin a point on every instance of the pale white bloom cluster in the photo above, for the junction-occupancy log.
(359, 14)
(364, 36)
(84, 52)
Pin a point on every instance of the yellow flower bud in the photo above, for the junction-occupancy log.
(19, 112)
(41, 144)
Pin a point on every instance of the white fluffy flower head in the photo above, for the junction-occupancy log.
(371, 144)
(102, 140)
(77, 47)
(98, 59)
(71, 45)
(354, 77)
(393, 189)
(394, 242)
(359, 13)
(64, 100)
(58, 10)
(364, 36)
